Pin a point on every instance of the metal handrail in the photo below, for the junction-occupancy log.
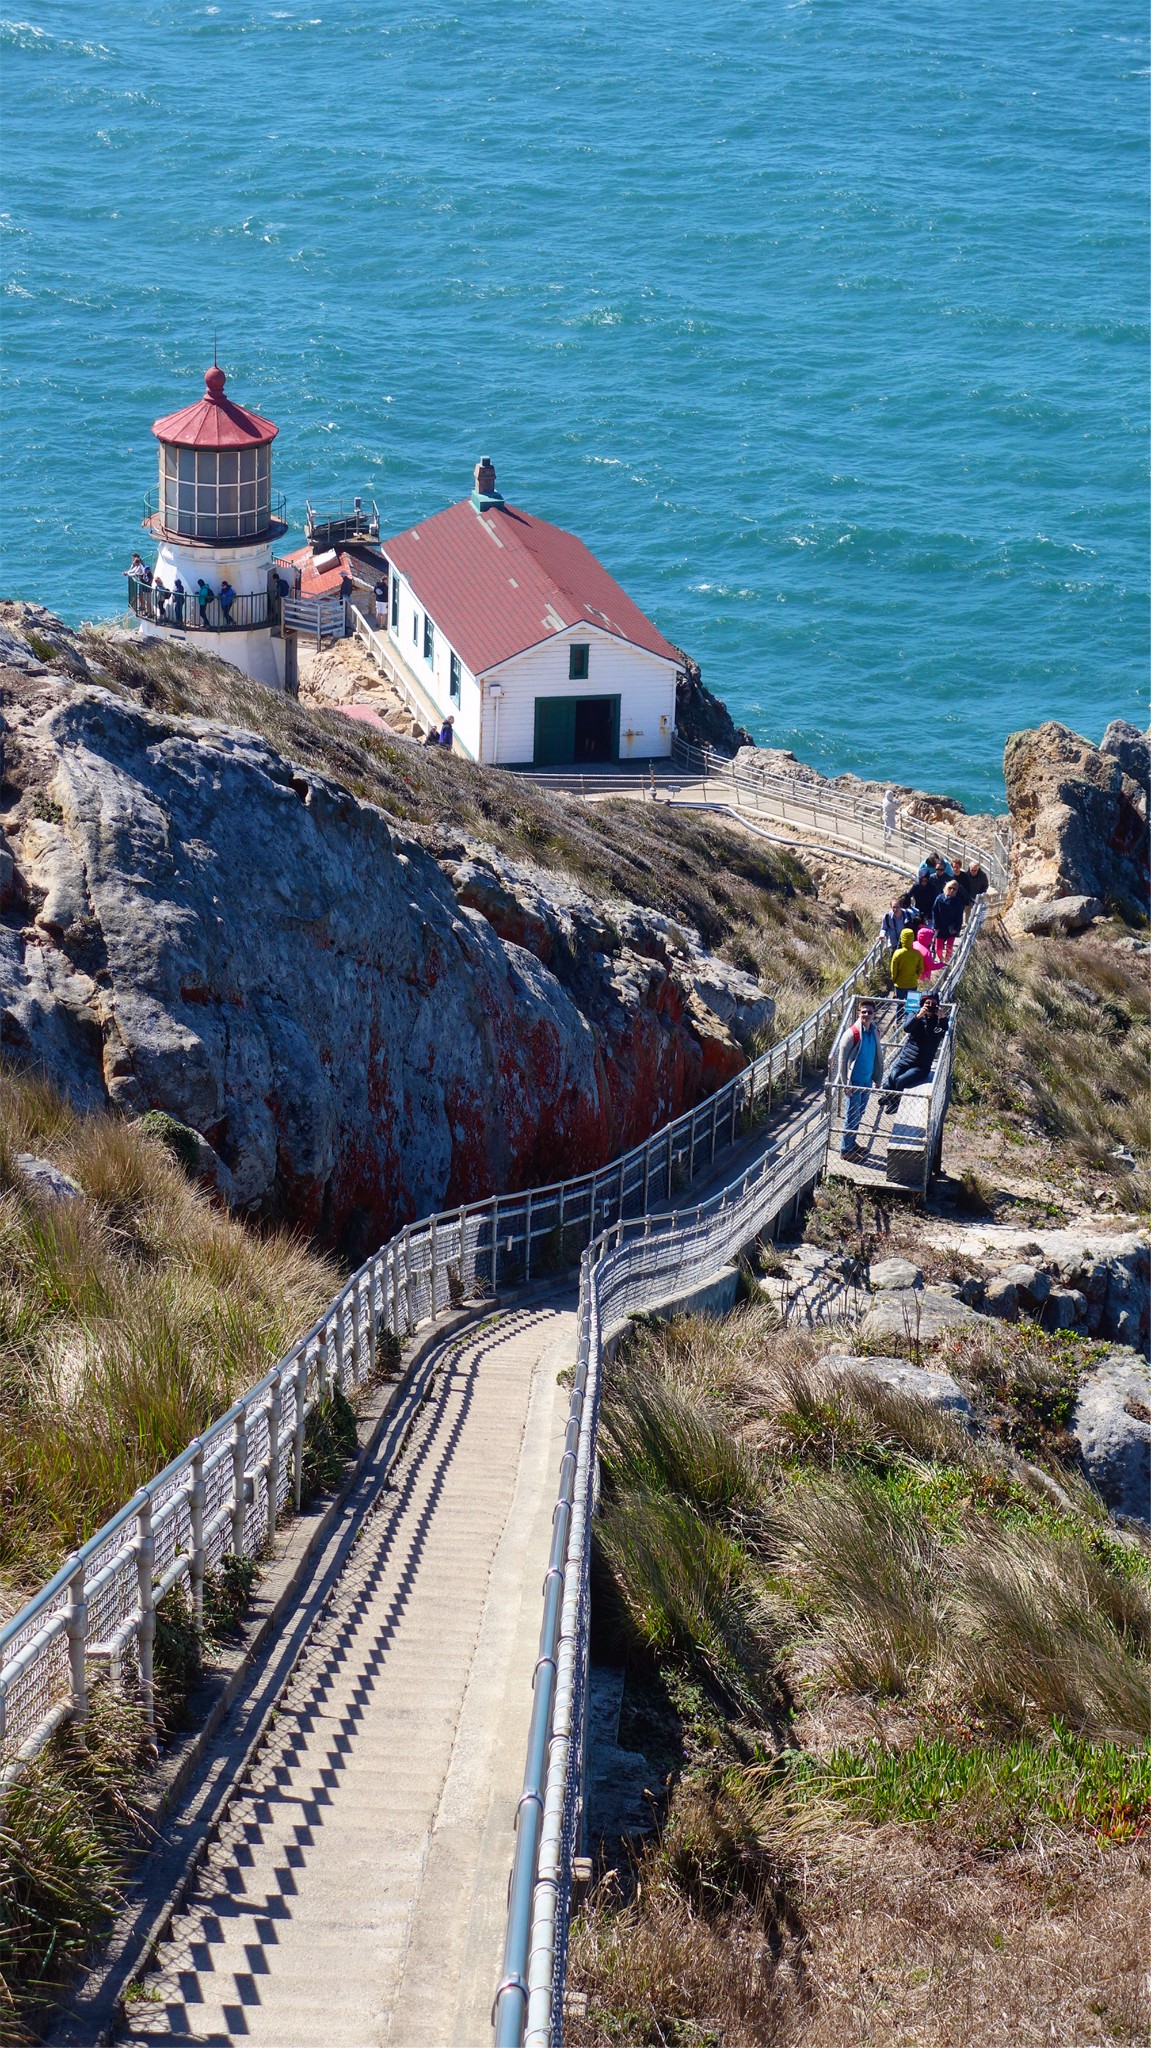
(857, 821)
(183, 609)
(258, 1444)
(629, 1267)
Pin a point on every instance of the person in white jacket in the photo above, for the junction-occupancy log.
(890, 815)
(857, 1065)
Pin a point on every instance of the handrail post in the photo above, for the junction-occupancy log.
(146, 1634)
(528, 1236)
(239, 1462)
(77, 1626)
(275, 1413)
(435, 1263)
(196, 1496)
(301, 1423)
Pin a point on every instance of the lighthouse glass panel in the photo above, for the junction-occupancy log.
(215, 494)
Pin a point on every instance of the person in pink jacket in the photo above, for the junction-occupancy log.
(925, 945)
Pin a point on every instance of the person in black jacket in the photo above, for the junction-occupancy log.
(923, 1035)
(928, 884)
(947, 918)
(972, 881)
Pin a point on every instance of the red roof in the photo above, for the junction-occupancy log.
(214, 421)
(500, 581)
(318, 582)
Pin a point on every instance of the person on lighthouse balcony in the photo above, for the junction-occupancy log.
(227, 600)
(178, 595)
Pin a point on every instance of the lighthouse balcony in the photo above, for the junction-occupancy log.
(215, 519)
(160, 607)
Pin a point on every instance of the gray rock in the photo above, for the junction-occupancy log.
(1112, 1424)
(895, 1273)
(919, 1314)
(1064, 1309)
(1079, 823)
(973, 1291)
(1131, 748)
(1001, 1298)
(1032, 1286)
(46, 1180)
(1054, 920)
(920, 1382)
(225, 935)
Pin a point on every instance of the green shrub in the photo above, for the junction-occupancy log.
(329, 1441)
(994, 1795)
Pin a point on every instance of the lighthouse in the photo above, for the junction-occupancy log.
(215, 523)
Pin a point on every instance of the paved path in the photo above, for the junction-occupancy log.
(356, 1895)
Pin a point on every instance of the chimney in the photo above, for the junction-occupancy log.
(485, 494)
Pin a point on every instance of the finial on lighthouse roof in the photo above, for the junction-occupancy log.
(214, 381)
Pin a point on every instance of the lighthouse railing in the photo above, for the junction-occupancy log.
(160, 606)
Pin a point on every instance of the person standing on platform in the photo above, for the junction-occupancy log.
(857, 1066)
(203, 600)
(380, 594)
(890, 816)
(178, 596)
(916, 1056)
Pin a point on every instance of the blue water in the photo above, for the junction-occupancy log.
(823, 323)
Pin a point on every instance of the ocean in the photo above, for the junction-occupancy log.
(823, 322)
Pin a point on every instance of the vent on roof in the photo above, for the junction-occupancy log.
(485, 495)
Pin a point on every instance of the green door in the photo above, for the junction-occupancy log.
(576, 731)
(555, 731)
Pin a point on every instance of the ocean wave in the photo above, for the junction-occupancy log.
(25, 35)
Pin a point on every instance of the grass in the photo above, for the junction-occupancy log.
(999, 1796)
(128, 1319)
(67, 1828)
(1056, 1036)
(897, 1678)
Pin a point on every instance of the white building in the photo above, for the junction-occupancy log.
(215, 523)
(512, 627)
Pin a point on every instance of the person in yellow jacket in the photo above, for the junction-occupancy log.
(906, 967)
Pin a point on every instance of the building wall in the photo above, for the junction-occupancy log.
(245, 568)
(435, 676)
(644, 684)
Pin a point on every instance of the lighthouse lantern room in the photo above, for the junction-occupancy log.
(215, 524)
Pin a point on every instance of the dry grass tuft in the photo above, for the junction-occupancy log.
(1059, 1035)
(128, 1319)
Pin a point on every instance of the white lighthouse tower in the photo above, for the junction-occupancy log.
(216, 523)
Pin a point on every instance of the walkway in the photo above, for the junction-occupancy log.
(356, 1895)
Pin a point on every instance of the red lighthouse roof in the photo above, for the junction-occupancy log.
(214, 421)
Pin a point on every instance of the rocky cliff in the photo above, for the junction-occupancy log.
(363, 1028)
(1079, 824)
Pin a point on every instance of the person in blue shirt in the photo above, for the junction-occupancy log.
(857, 1066)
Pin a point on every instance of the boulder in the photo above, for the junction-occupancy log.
(1079, 823)
(1131, 748)
(1001, 1298)
(1112, 1425)
(887, 1273)
(1065, 1309)
(918, 1314)
(1056, 919)
(920, 1382)
(50, 1182)
(1032, 1286)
